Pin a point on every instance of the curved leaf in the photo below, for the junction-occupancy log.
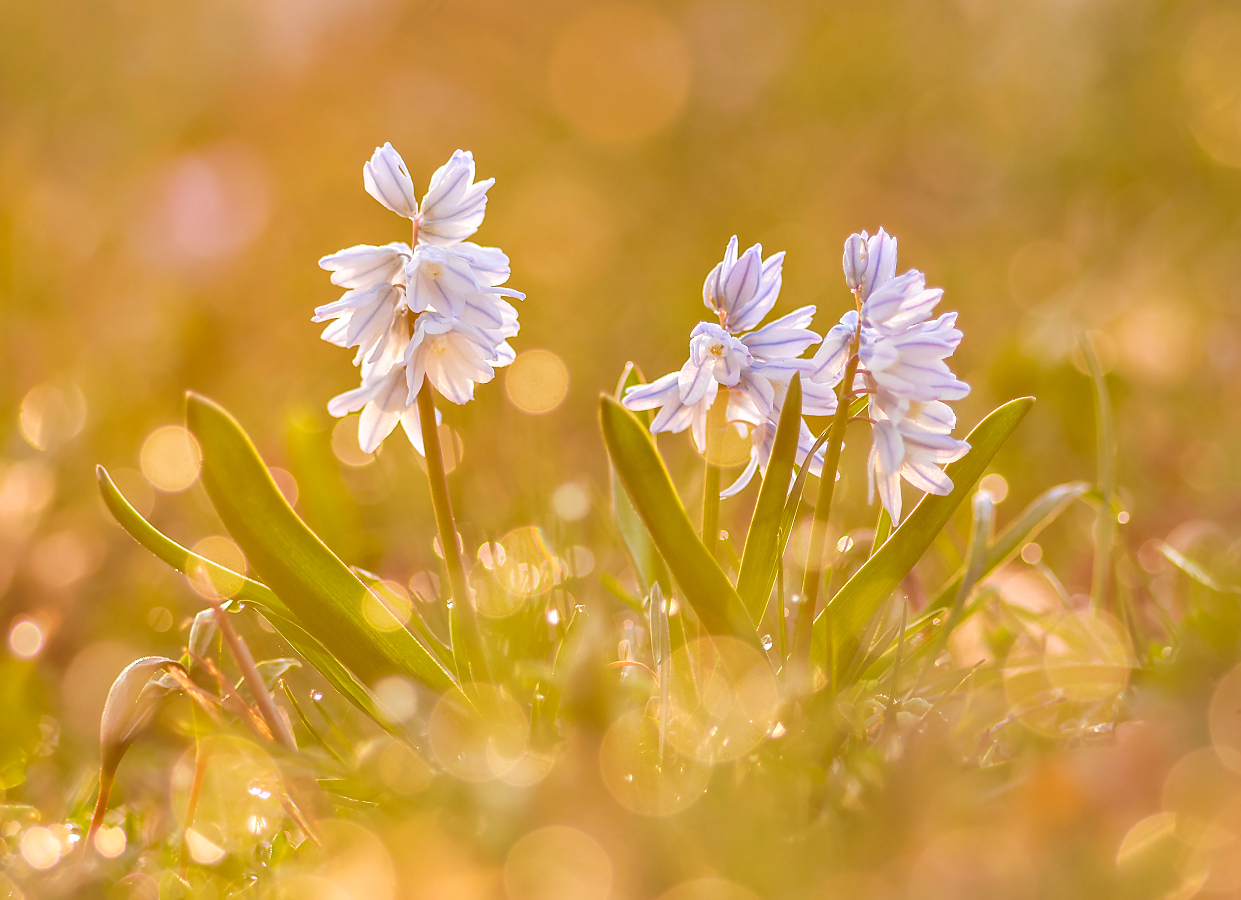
(252, 592)
(323, 593)
(646, 480)
(880, 575)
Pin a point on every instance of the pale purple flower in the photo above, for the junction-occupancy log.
(453, 356)
(912, 445)
(453, 207)
(433, 312)
(910, 365)
(869, 262)
(743, 289)
(901, 355)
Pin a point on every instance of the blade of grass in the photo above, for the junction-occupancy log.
(1033, 519)
(762, 542)
(646, 480)
(984, 512)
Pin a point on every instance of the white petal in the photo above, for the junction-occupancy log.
(388, 181)
(454, 206)
(381, 414)
(364, 265)
(697, 381)
(744, 479)
(880, 262)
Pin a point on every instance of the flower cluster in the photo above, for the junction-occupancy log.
(429, 312)
(754, 365)
(901, 352)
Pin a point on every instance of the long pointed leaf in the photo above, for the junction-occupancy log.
(253, 593)
(322, 591)
(1040, 513)
(880, 575)
(646, 480)
(762, 541)
(646, 559)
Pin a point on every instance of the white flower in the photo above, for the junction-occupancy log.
(453, 207)
(901, 356)
(363, 316)
(717, 359)
(453, 355)
(900, 302)
(912, 445)
(382, 396)
(869, 262)
(909, 364)
(743, 290)
(435, 312)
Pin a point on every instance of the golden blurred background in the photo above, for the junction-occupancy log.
(171, 173)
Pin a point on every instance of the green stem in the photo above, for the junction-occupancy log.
(717, 421)
(437, 479)
(822, 510)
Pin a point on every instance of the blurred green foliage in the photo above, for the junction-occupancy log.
(170, 173)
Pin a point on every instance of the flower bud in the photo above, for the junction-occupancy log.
(855, 260)
(880, 262)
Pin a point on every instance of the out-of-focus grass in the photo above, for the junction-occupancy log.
(169, 174)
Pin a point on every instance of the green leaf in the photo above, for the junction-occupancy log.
(880, 575)
(324, 595)
(1033, 519)
(975, 562)
(646, 559)
(646, 480)
(1195, 570)
(251, 593)
(762, 541)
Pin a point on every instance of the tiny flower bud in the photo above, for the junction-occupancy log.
(880, 262)
(855, 260)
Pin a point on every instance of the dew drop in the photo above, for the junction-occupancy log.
(767, 642)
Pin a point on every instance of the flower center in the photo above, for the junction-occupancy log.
(433, 270)
(439, 345)
(717, 349)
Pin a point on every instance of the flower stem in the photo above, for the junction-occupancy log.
(258, 689)
(717, 421)
(437, 478)
(804, 622)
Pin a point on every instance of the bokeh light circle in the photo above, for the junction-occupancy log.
(641, 778)
(724, 700)
(213, 583)
(239, 803)
(478, 732)
(537, 381)
(557, 863)
(1225, 719)
(170, 458)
